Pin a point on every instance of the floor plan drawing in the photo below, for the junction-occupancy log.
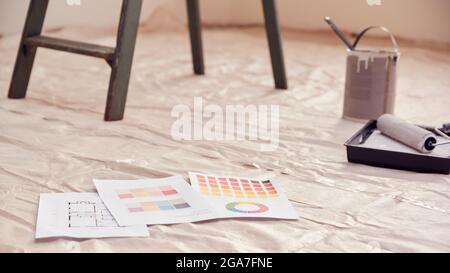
(80, 215)
(89, 214)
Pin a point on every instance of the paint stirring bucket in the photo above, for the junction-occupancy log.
(371, 80)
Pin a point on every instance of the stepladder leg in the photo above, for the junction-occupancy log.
(123, 61)
(275, 43)
(195, 31)
(26, 54)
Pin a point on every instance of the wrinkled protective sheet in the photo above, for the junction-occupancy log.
(56, 141)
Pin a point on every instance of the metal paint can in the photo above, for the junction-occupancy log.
(371, 80)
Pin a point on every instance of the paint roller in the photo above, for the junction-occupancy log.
(409, 134)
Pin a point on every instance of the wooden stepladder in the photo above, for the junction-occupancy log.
(120, 58)
(273, 36)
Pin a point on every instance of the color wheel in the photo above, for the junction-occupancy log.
(256, 207)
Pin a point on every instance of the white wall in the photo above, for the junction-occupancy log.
(415, 19)
(96, 13)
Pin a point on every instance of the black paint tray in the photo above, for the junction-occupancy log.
(416, 162)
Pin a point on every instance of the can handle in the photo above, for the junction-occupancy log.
(393, 40)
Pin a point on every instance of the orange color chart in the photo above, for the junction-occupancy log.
(236, 187)
(236, 197)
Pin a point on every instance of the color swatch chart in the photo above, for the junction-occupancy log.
(146, 192)
(158, 206)
(239, 197)
(236, 187)
(169, 200)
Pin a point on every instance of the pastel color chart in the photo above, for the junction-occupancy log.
(146, 192)
(236, 187)
(164, 205)
(169, 200)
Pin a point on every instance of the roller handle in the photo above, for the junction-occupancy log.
(430, 144)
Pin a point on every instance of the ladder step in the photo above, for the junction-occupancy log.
(92, 50)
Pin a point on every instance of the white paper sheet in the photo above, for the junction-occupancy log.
(235, 197)
(79, 215)
(153, 201)
(379, 141)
